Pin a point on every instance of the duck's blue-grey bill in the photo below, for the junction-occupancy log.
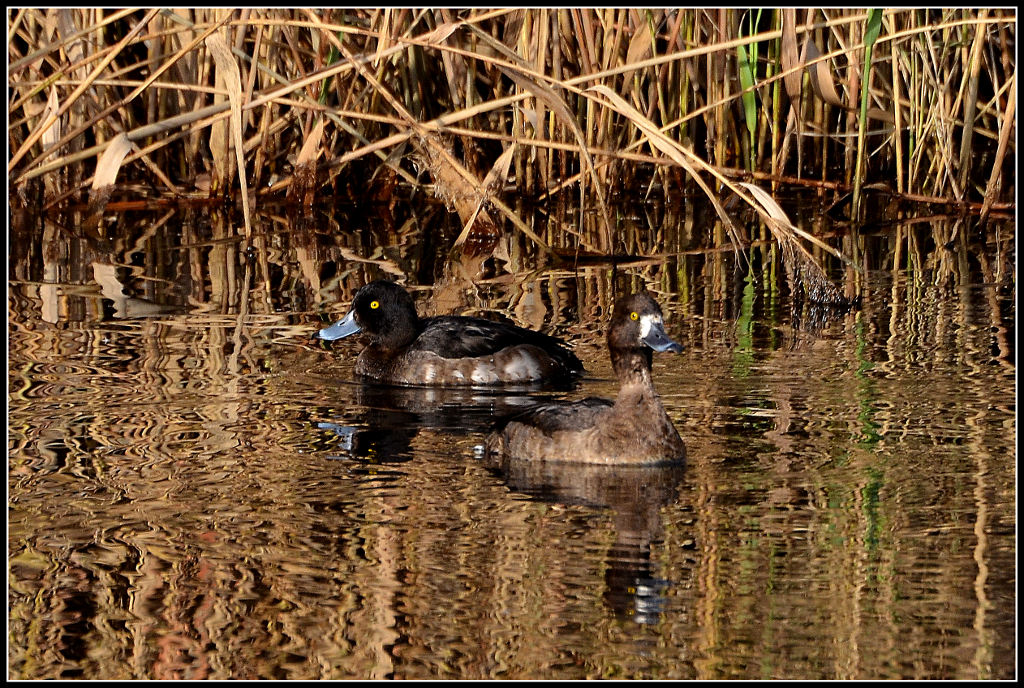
(659, 341)
(342, 328)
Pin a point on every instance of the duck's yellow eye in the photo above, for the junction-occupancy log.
(375, 305)
(633, 316)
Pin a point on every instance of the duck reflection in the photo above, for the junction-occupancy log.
(387, 418)
(635, 495)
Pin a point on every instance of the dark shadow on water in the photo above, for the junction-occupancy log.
(387, 417)
(635, 495)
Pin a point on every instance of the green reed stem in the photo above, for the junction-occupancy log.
(874, 25)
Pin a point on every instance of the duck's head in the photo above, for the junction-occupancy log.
(382, 310)
(637, 329)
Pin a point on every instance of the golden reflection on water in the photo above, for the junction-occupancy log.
(198, 491)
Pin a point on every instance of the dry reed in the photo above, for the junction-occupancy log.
(599, 102)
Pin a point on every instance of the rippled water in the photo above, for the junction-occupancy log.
(198, 491)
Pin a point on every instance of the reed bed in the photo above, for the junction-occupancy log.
(472, 105)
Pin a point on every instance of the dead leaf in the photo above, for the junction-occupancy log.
(791, 64)
(311, 146)
(821, 76)
(228, 74)
(110, 162)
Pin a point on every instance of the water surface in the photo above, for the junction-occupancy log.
(196, 490)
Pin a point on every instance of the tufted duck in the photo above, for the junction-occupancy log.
(634, 430)
(404, 349)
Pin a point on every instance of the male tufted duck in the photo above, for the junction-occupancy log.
(404, 349)
(634, 430)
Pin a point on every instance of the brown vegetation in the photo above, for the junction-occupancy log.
(596, 102)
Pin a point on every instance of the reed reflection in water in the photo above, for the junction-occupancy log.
(196, 491)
